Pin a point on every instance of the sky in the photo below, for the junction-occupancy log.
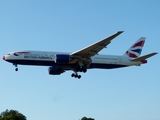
(58, 25)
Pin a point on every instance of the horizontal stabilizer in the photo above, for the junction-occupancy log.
(144, 57)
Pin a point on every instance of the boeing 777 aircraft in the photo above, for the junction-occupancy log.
(81, 60)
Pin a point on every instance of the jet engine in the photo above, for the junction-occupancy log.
(62, 58)
(54, 71)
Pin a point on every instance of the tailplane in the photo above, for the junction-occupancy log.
(143, 58)
(135, 50)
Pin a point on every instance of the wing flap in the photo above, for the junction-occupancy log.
(144, 57)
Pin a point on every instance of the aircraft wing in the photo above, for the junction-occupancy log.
(96, 47)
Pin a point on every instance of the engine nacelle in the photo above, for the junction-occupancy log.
(55, 71)
(62, 58)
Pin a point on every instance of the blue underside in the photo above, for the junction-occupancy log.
(65, 66)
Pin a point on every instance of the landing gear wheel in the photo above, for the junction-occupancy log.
(83, 69)
(16, 69)
(76, 75)
(79, 76)
(73, 75)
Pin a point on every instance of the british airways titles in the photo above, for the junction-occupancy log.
(39, 56)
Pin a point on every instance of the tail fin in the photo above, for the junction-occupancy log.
(135, 50)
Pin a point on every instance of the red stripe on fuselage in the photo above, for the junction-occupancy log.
(21, 52)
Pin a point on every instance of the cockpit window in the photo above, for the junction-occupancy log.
(8, 54)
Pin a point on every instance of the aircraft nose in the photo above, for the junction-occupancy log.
(3, 57)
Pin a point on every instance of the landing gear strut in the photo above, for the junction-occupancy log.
(76, 75)
(16, 69)
(83, 69)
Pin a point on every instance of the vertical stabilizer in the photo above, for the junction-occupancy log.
(135, 50)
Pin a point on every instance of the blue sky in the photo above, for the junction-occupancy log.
(52, 25)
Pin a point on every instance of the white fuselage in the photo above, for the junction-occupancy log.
(42, 58)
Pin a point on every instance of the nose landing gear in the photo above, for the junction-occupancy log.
(16, 69)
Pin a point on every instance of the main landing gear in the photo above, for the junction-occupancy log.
(76, 75)
(80, 69)
(16, 69)
(83, 69)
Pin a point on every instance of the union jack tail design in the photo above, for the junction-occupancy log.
(135, 50)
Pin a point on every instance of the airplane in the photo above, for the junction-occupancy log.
(81, 60)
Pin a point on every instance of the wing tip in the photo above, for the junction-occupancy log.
(120, 31)
(155, 53)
